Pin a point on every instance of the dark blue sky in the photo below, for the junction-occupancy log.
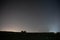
(30, 15)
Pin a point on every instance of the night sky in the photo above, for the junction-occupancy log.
(30, 15)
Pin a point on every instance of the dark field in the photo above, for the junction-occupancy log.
(28, 36)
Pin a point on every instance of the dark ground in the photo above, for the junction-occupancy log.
(28, 36)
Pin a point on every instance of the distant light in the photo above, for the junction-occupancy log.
(53, 28)
(55, 32)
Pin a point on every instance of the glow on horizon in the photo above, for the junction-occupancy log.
(54, 28)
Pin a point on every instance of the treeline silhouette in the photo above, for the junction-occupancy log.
(28, 36)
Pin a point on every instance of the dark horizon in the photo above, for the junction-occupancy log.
(28, 36)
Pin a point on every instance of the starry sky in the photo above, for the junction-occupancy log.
(30, 15)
